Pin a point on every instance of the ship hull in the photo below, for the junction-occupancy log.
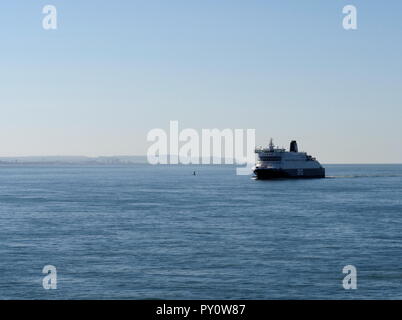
(268, 173)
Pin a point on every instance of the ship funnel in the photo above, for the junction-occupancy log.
(293, 146)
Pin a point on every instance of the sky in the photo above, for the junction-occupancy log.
(114, 70)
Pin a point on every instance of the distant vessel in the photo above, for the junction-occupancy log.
(278, 163)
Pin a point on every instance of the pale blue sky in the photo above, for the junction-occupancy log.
(116, 69)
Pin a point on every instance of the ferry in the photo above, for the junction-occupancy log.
(274, 163)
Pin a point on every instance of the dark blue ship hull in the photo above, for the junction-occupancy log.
(268, 173)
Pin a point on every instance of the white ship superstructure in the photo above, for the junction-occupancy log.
(276, 162)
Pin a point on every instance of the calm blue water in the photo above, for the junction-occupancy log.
(145, 232)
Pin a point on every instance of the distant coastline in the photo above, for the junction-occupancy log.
(73, 160)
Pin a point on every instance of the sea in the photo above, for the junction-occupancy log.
(160, 232)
